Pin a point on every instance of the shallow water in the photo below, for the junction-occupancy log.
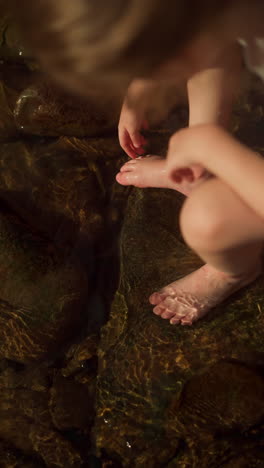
(88, 375)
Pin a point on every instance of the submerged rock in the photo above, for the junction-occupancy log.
(160, 395)
(27, 410)
(12, 47)
(44, 110)
(160, 385)
(59, 186)
(194, 392)
(42, 291)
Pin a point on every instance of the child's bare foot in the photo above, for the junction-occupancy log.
(191, 297)
(150, 171)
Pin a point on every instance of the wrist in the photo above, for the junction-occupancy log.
(200, 141)
(139, 85)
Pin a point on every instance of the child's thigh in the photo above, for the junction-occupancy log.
(214, 213)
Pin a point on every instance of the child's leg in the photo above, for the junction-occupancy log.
(151, 171)
(226, 234)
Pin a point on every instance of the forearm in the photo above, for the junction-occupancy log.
(212, 92)
(234, 163)
(138, 89)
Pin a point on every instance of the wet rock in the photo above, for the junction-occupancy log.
(26, 420)
(17, 77)
(54, 449)
(14, 78)
(165, 396)
(7, 124)
(12, 47)
(42, 293)
(58, 186)
(30, 106)
(227, 397)
(146, 365)
(12, 458)
(71, 404)
(45, 417)
(200, 386)
(45, 110)
(80, 356)
(236, 452)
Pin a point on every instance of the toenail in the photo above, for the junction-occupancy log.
(176, 177)
(153, 297)
(174, 322)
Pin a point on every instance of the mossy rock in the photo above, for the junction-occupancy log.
(44, 110)
(43, 293)
(147, 365)
(60, 186)
(12, 47)
(194, 392)
(46, 418)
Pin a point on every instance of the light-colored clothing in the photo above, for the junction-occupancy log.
(254, 54)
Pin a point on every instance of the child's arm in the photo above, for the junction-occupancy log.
(225, 157)
(132, 121)
(212, 92)
(211, 96)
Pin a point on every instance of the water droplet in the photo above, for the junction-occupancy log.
(128, 445)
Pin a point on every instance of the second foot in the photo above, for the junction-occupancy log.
(149, 171)
(190, 298)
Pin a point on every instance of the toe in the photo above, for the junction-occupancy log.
(167, 314)
(128, 166)
(119, 178)
(168, 291)
(158, 310)
(155, 298)
(186, 321)
(189, 319)
(124, 178)
(174, 321)
(170, 303)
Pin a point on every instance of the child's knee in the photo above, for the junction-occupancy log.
(201, 227)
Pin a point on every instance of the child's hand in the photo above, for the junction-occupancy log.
(130, 138)
(183, 159)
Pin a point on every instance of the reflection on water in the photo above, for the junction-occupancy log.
(89, 377)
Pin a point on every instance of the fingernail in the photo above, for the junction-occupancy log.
(175, 176)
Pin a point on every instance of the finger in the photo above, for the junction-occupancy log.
(198, 171)
(144, 141)
(138, 151)
(126, 145)
(176, 176)
(131, 152)
(145, 125)
(187, 173)
(137, 140)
